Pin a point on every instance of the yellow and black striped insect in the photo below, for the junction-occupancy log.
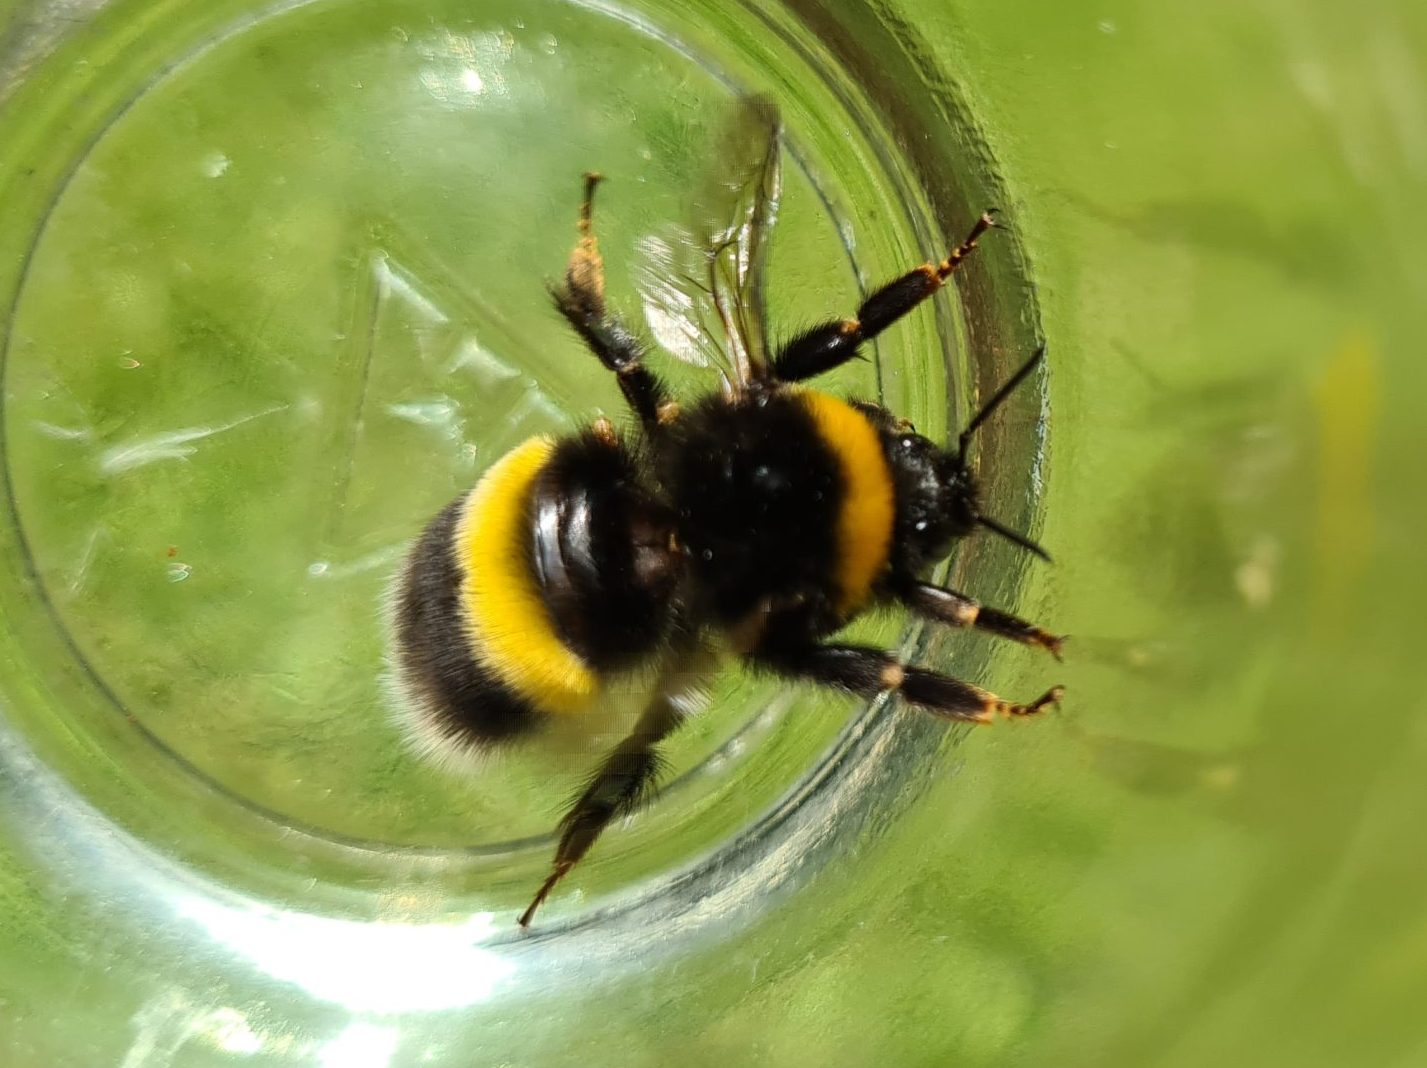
(761, 518)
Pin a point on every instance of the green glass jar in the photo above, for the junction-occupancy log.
(272, 291)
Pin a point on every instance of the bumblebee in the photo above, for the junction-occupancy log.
(760, 519)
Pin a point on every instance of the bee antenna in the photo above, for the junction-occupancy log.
(1011, 535)
(995, 402)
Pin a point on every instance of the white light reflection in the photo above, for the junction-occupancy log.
(463, 68)
(370, 967)
(170, 445)
(362, 1045)
(229, 1031)
(393, 281)
(170, 1023)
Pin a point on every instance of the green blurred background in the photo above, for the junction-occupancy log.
(1213, 854)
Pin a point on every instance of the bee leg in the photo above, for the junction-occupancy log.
(581, 300)
(827, 346)
(620, 785)
(625, 779)
(867, 672)
(958, 610)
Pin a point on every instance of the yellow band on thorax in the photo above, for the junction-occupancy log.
(868, 510)
(511, 633)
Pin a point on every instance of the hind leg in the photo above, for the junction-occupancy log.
(625, 780)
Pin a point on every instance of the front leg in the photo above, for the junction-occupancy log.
(581, 301)
(958, 610)
(831, 344)
(867, 672)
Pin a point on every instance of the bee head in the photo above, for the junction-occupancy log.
(959, 493)
(941, 498)
(961, 503)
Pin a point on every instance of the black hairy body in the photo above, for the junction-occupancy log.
(756, 494)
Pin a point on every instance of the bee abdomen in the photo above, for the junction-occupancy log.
(449, 700)
(520, 597)
(602, 553)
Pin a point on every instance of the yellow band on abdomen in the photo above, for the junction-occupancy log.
(511, 633)
(868, 509)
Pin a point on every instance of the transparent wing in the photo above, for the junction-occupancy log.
(702, 284)
(672, 276)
